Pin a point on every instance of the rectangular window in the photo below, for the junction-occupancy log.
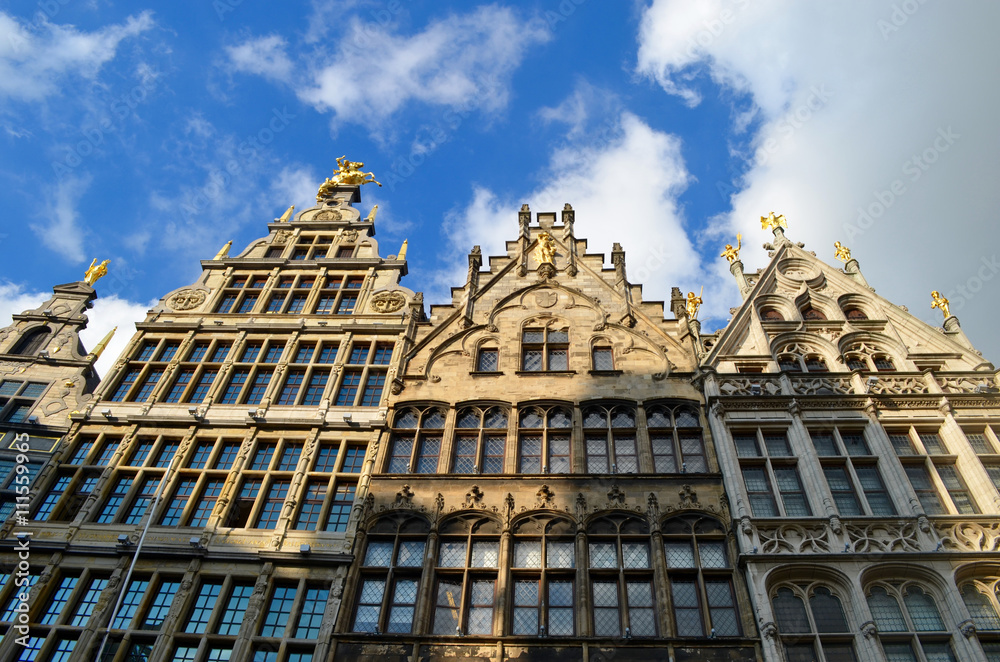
(278, 611)
(399, 460)
(208, 595)
(85, 606)
(759, 490)
(372, 393)
(126, 384)
(311, 615)
(130, 603)
(687, 612)
(312, 504)
(259, 387)
(427, 459)
(603, 359)
(922, 485)
(236, 606)
(349, 387)
(115, 500)
(488, 360)
(874, 491)
(290, 391)
(793, 496)
(366, 619)
(206, 504)
(354, 459)
(160, 607)
(957, 490)
(560, 614)
(59, 599)
(200, 391)
(843, 492)
(606, 620)
(182, 494)
(180, 384)
(340, 510)
(271, 511)
(232, 394)
(317, 385)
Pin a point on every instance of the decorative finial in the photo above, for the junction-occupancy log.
(545, 252)
(96, 354)
(841, 252)
(348, 173)
(371, 215)
(402, 250)
(771, 221)
(941, 303)
(287, 215)
(224, 251)
(94, 273)
(733, 254)
(693, 303)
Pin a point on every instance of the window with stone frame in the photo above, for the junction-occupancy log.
(812, 314)
(11, 585)
(621, 577)
(852, 473)
(249, 377)
(198, 481)
(142, 613)
(909, 623)
(488, 359)
(770, 473)
(194, 377)
(309, 246)
(415, 445)
(215, 615)
(544, 349)
(290, 294)
(386, 592)
(291, 619)
(544, 439)
(868, 357)
(799, 358)
(340, 294)
(138, 380)
(853, 314)
(610, 440)
(363, 378)
(78, 475)
(932, 470)
(61, 610)
(675, 435)
(984, 440)
(542, 577)
(701, 577)
(480, 440)
(135, 481)
(18, 398)
(603, 358)
(308, 377)
(264, 483)
(32, 342)
(980, 597)
(242, 293)
(811, 624)
(468, 560)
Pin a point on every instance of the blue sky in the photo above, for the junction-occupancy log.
(152, 133)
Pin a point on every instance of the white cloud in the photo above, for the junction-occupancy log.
(107, 313)
(462, 62)
(585, 105)
(623, 190)
(295, 185)
(854, 99)
(35, 59)
(264, 56)
(61, 231)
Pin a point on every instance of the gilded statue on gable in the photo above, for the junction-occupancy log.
(771, 221)
(941, 303)
(348, 173)
(95, 272)
(545, 252)
(841, 252)
(693, 303)
(733, 254)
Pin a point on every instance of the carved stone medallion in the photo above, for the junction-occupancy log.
(388, 302)
(186, 300)
(546, 299)
(281, 237)
(349, 235)
(329, 215)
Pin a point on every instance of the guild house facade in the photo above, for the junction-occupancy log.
(295, 460)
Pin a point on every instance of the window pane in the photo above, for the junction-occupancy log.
(827, 612)
(686, 611)
(790, 612)
(923, 611)
(560, 614)
(885, 610)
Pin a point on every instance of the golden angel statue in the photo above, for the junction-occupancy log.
(693, 303)
(771, 221)
(841, 252)
(95, 271)
(941, 303)
(733, 254)
(348, 173)
(545, 252)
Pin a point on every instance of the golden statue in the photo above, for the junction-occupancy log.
(693, 303)
(733, 254)
(771, 221)
(545, 252)
(348, 173)
(941, 303)
(94, 273)
(224, 251)
(841, 252)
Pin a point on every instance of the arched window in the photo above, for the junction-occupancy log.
(914, 633)
(771, 315)
(883, 363)
(810, 313)
(480, 440)
(542, 576)
(621, 577)
(675, 434)
(609, 435)
(467, 562)
(416, 441)
(390, 575)
(819, 633)
(32, 342)
(815, 363)
(981, 601)
(789, 362)
(856, 362)
(853, 314)
(544, 440)
(701, 577)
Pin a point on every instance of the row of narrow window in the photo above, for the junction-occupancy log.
(852, 313)
(614, 440)
(290, 295)
(308, 380)
(539, 582)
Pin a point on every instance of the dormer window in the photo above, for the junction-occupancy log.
(771, 315)
(853, 314)
(544, 350)
(810, 313)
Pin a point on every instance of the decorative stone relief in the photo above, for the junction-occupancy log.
(329, 215)
(742, 385)
(405, 495)
(474, 497)
(970, 536)
(349, 236)
(186, 299)
(793, 539)
(388, 302)
(882, 537)
(960, 384)
(545, 496)
(830, 386)
(281, 237)
(899, 386)
(616, 495)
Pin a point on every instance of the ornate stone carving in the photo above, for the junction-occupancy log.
(819, 386)
(329, 215)
(546, 298)
(281, 237)
(349, 236)
(898, 386)
(474, 497)
(869, 630)
(882, 537)
(743, 386)
(793, 539)
(688, 496)
(388, 302)
(186, 299)
(405, 495)
(616, 495)
(545, 496)
(967, 628)
(769, 630)
(970, 536)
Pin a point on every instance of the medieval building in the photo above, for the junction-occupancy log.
(293, 461)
